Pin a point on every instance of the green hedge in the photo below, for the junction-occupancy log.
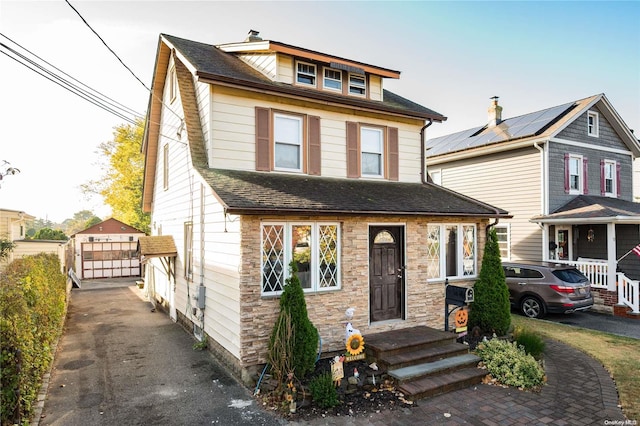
(32, 307)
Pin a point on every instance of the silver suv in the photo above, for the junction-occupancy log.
(538, 288)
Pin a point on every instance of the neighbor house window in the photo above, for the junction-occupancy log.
(165, 166)
(313, 246)
(575, 174)
(609, 178)
(188, 250)
(593, 124)
(173, 84)
(451, 251)
(357, 84)
(306, 74)
(287, 135)
(372, 146)
(332, 79)
(503, 232)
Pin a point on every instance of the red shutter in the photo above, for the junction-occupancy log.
(585, 175)
(567, 185)
(353, 152)
(393, 155)
(618, 180)
(263, 139)
(314, 146)
(603, 182)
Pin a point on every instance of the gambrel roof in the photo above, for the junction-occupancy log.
(539, 126)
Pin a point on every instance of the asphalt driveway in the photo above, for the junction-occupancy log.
(119, 363)
(602, 322)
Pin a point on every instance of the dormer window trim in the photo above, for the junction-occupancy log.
(593, 124)
(306, 74)
(357, 85)
(333, 77)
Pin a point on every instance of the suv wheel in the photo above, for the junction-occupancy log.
(531, 307)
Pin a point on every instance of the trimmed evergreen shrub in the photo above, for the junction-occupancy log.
(491, 310)
(305, 334)
(323, 391)
(32, 303)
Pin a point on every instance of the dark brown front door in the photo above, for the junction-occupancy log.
(386, 267)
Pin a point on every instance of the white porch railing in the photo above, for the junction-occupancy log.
(596, 270)
(629, 293)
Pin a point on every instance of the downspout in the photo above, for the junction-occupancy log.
(543, 203)
(423, 175)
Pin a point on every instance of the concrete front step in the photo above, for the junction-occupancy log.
(413, 372)
(442, 383)
(398, 341)
(420, 356)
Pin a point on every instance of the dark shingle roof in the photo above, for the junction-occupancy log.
(260, 192)
(215, 64)
(592, 207)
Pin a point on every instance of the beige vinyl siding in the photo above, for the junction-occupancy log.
(263, 62)
(285, 69)
(375, 87)
(203, 97)
(233, 133)
(510, 182)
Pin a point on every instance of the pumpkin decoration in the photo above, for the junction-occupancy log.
(461, 318)
(355, 344)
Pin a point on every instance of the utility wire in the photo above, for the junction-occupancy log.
(107, 46)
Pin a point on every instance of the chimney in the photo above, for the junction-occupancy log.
(253, 36)
(495, 112)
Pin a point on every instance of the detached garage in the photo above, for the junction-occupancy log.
(107, 250)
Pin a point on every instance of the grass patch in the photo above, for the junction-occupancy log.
(619, 355)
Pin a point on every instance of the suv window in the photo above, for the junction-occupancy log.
(570, 275)
(531, 273)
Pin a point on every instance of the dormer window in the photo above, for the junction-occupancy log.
(357, 85)
(306, 74)
(332, 79)
(593, 125)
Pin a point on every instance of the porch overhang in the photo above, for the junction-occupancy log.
(588, 209)
(162, 247)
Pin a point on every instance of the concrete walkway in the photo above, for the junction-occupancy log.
(120, 364)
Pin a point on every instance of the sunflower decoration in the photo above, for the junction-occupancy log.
(355, 344)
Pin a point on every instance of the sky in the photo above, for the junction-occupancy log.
(453, 56)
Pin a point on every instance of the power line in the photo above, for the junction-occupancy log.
(106, 45)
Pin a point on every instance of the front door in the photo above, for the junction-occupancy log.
(564, 246)
(386, 272)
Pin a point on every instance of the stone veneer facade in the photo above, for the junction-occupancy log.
(424, 301)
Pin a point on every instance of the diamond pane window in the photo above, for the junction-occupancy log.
(451, 251)
(433, 251)
(272, 258)
(328, 256)
(468, 250)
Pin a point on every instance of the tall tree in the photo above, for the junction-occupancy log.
(50, 234)
(81, 220)
(121, 183)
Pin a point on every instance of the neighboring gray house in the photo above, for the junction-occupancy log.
(565, 174)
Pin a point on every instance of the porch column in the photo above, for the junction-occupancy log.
(545, 242)
(611, 256)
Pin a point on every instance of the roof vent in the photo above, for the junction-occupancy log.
(253, 36)
(495, 112)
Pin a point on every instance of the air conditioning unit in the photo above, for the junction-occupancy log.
(90, 239)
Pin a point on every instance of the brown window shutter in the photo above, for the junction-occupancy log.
(393, 156)
(263, 140)
(353, 152)
(314, 146)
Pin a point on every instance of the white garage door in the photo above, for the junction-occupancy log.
(110, 260)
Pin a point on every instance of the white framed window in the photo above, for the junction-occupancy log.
(503, 232)
(165, 166)
(173, 84)
(306, 74)
(372, 151)
(451, 251)
(609, 178)
(287, 136)
(575, 174)
(357, 85)
(313, 246)
(188, 251)
(436, 176)
(332, 79)
(593, 123)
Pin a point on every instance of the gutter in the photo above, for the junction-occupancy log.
(423, 175)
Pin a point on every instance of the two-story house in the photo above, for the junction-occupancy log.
(261, 153)
(565, 174)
